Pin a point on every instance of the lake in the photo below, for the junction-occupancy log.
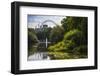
(39, 52)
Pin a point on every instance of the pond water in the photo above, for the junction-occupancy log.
(39, 52)
(39, 56)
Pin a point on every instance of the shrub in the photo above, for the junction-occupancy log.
(32, 39)
(74, 35)
(81, 51)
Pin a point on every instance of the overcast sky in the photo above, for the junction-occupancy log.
(35, 20)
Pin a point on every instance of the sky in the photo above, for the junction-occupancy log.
(38, 20)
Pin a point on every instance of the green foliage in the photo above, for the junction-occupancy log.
(56, 34)
(44, 33)
(80, 23)
(68, 41)
(80, 51)
(74, 35)
(59, 55)
(60, 46)
(70, 23)
(70, 46)
(32, 39)
(67, 44)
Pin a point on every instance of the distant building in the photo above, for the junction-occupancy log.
(45, 26)
(41, 28)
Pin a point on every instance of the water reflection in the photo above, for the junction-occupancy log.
(39, 52)
(39, 56)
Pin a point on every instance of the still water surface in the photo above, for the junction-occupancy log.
(40, 52)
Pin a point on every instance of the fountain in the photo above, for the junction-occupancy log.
(46, 43)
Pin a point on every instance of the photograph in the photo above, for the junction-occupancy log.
(53, 37)
(57, 37)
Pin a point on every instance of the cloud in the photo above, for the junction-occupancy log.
(35, 20)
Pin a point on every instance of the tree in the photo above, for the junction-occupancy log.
(71, 40)
(74, 39)
(74, 35)
(80, 23)
(46, 32)
(56, 34)
(70, 23)
(32, 38)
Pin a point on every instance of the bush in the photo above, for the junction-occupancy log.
(32, 39)
(69, 42)
(71, 46)
(59, 55)
(57, 47)
(81, 51)
(56, 34)
(75, 36)
(62, 46)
